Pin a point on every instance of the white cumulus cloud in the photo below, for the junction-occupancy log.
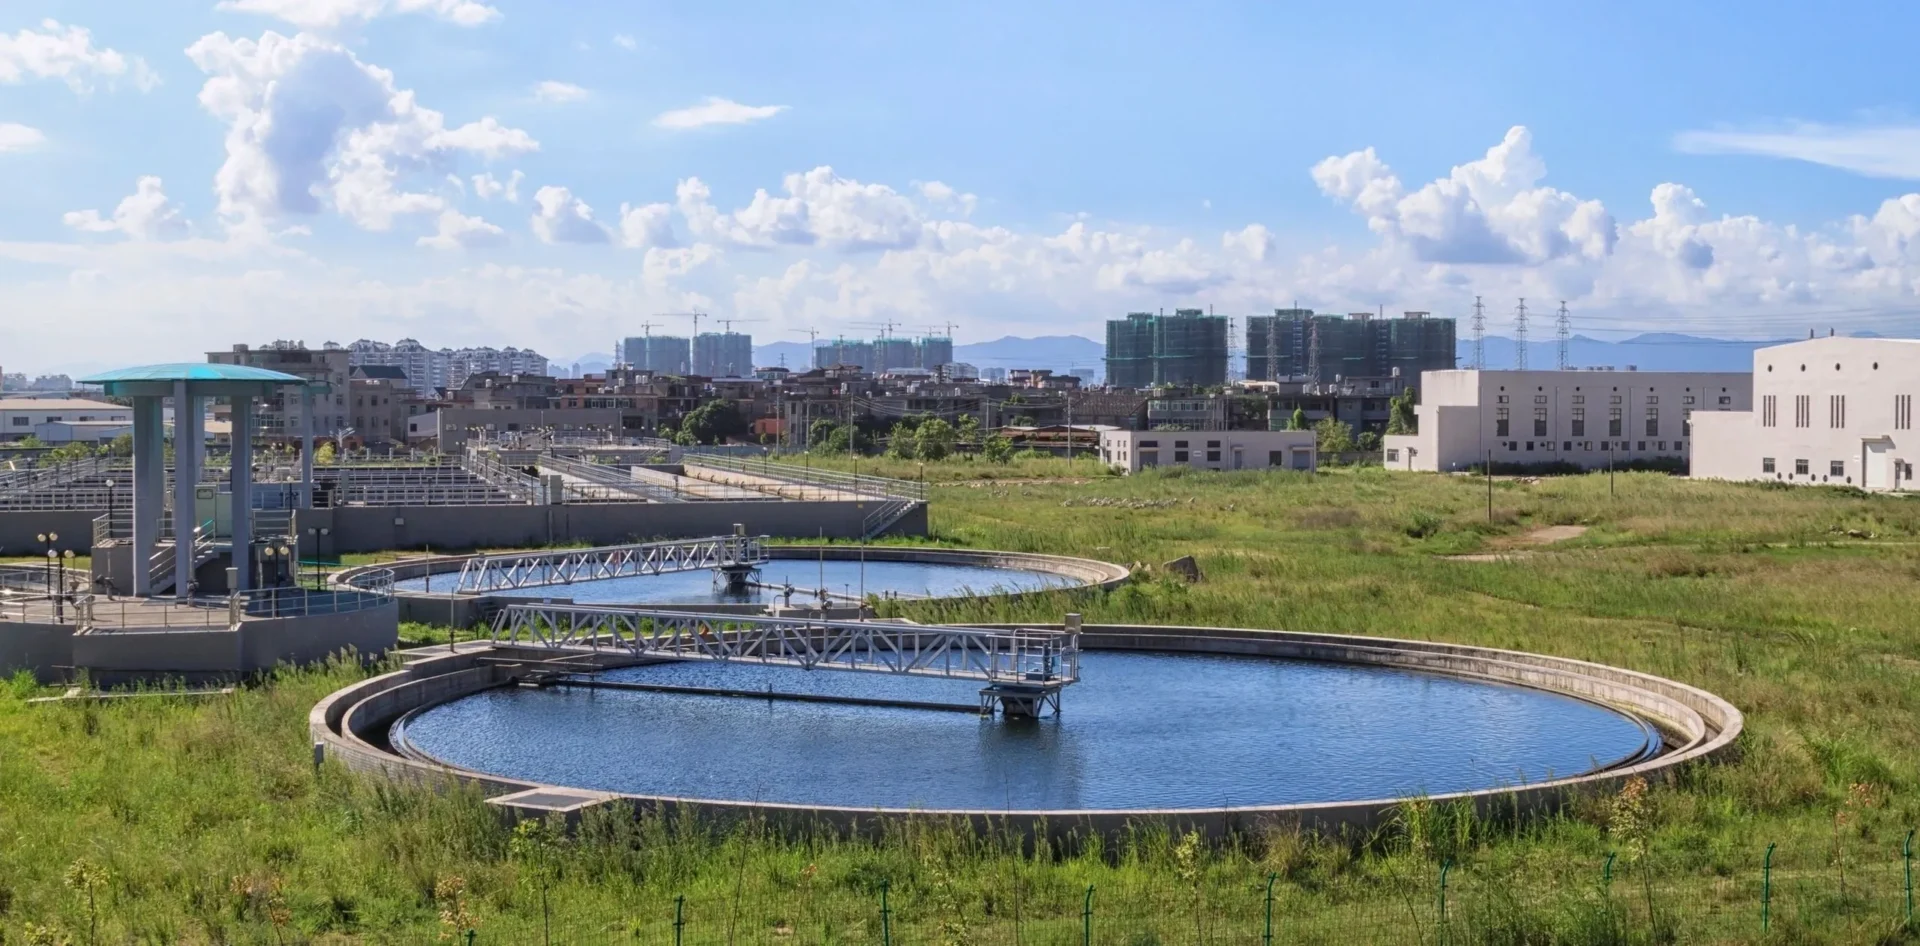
(488, 187)
(146, 214)
(624, 41)
(715, 111)
(819, 207)
(560, 217)
(1491, 210)
(67, 53)
(334, 14)
(555, 92)
(456, 231)
(15, 137)
(310, 124)
(649, 225)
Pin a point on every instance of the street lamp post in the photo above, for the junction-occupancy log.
(110, 485)
(46, 541)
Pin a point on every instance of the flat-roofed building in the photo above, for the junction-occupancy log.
(1584, 418)
(21, 418)
(1833, 411)
(1136, 450)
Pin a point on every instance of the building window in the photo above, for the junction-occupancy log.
(1643, 446)
(1393, 455)
(1615, 399)
(1653, 399)
(1613, 422)
(19, 422)
(1179, 445)
(1539, 422)
(1725, 401)
(1529, 446)
(1180, 456)
(1539, 399)
(1579, 422)
(1213, 445)
(1567, 446)
(1903, 412)
(1663, 446)
(1836, 411)
(1501, 422)
(1766, 464)
(1653, 421)
(1213, 456)
(1276, 458)
(1837, 468)
(1769, 411)
(1149, 443)
(1687, 400)
(1502, 399)
(1803, 410)
(1800, 468)
(1579, 399)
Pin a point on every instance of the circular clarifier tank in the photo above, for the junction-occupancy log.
(1141, 730)
(841, 577)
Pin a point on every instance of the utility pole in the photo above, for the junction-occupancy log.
(1520, 336)
(1479, 334)
(1563, 332)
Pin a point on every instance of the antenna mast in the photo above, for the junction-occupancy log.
(1563, 331)
(1520, 336)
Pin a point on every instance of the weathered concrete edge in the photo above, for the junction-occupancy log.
(1704, 725)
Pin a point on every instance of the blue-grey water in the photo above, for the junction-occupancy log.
(914, 579)
(1138, 731)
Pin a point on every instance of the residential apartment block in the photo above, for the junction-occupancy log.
(1830, 410)
(1585, 418)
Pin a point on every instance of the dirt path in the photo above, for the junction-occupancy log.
(1522, 546)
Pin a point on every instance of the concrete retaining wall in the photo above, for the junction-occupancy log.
(1698, 726)
(46, 650)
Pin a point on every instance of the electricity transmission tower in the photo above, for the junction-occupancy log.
(1563, 333)
(1479, 334)
(1520, 336)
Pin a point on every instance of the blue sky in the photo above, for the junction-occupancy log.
(1014, 167)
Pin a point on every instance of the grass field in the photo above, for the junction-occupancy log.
(202, 821)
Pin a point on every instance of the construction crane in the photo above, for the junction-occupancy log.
(944, 328)
(729, 323)
(886, 328)
(695, 316)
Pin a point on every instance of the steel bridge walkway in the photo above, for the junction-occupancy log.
(483, 573)
(1024, 669)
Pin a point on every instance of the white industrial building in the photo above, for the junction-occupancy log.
(1586, 418)
(1135, 450)
(1826, 410)
(21, 418)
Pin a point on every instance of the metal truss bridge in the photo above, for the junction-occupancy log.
(731, 554)
(1023, 669)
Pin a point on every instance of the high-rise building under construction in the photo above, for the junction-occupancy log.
(660, 354)
(1297, 345)
(723, 354)
(1188, 347)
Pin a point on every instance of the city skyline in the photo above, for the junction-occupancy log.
(188, 172)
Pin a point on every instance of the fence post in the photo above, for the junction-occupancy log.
(1906, 854)
(886, 922)
(1766, 891)
(1266, 938)
(1446, 867)
(679, 917)
(1086, 919)
(1606, 872)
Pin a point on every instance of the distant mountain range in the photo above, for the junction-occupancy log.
(1073, 354)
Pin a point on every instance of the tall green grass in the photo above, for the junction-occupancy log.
(208, 823)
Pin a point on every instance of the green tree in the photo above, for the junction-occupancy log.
(1021, 420)
(935, 439)
(902, 442)
(1367, 442)
(997, 449)
(69, 452)
(714, 422)
(1298, 420)
(968, 430)
(30, 442)
(819, 432)
(536, 847)
(1334, 436)
(324, 453)
(121, 446)
(1400, 416)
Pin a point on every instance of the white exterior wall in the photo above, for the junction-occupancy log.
(1560, 416)
(1843, 407)
(1132, 450)
(19, 417)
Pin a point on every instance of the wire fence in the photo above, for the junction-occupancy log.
(1820, 895)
